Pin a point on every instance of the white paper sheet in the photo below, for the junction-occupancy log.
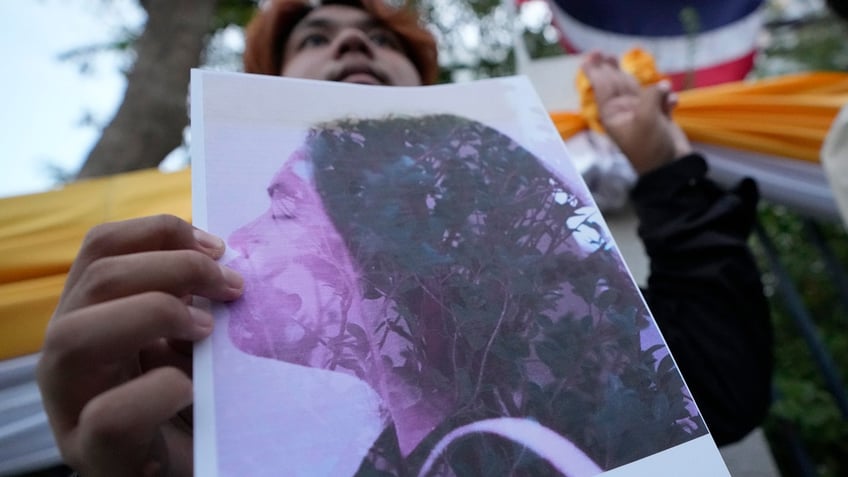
(268, 404)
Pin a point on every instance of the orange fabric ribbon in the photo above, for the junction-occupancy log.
(786, 116)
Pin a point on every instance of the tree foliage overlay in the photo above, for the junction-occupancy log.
(472, 241)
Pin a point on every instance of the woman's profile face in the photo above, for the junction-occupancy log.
(346, 44)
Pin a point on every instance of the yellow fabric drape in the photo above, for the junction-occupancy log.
(41, 233)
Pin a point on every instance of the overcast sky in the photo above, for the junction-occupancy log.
(43, 99)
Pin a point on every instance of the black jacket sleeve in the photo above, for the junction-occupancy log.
(705, 293)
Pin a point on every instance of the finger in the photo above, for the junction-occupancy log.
(176, 272)
(118, 329)
(619, 113)
(610, 61)
(591, 59)
(671, 102)
(91, 350)
(652, 103)
(602, 79)
(161, 232)
(119, 428)
(609, 82)
(626, 82)
(668, 98)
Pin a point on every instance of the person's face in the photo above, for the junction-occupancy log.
(342, 43)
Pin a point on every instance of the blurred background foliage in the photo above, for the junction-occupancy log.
(805, 417)
(803, 406)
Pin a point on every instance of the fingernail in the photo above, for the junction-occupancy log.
(201, 318)
(207, 240)
(232, 278)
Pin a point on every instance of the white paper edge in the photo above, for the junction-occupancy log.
(205, 464)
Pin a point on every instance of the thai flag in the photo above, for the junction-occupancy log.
(695, 42)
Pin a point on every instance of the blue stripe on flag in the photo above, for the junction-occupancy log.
(655, 17)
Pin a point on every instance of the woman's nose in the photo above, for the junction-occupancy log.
(249, 236)
(352, 40)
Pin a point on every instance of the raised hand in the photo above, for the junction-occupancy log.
(638, 119)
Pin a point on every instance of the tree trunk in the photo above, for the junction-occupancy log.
(153, 114)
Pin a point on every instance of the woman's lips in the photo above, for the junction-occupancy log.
(361, 78)
(359, 71)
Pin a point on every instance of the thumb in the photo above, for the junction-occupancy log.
(667, 97)
(655, 102)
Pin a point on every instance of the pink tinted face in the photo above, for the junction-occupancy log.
(302, 302)
(342, 43)
(298, 276)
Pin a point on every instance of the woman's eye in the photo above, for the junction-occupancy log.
(384, 38)
(314, 39)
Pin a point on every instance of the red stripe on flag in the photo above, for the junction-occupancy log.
(734, 70)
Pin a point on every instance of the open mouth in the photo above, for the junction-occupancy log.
(360, 75)
(361, 78)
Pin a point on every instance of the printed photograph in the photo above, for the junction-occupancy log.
(425, 296)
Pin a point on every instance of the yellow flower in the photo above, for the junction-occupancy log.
(640, 64)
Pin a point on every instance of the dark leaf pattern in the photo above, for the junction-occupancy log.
(443, 265)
